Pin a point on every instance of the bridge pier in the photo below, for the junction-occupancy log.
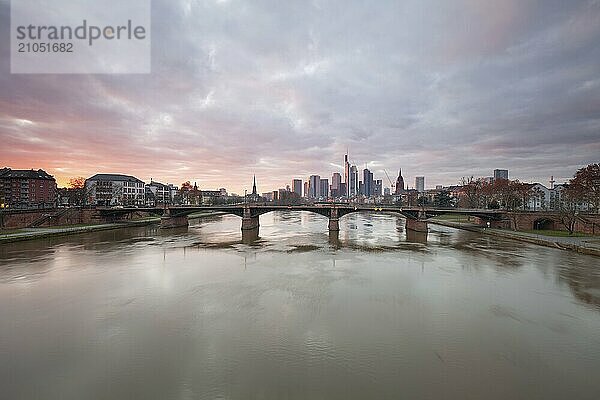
(416, 237)
(249, 221)
(416, 225)
(334, 224)
(334, 220)
(249, 236)
(167, 221)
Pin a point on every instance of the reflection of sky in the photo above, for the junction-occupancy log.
(441, 89)
(150, 314)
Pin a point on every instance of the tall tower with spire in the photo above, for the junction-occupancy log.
(254, 186)
(347, 174)
(399, 183)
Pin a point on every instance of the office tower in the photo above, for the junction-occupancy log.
(306, 189)
(343, 190)
(353, 182)
(377, 187)
(368, 189)
(387, 191)
(500, 174)
(314, 187)
(347, 175)
(297, 186)
(336, 181)
(324, 188)
(361, 188)
(420, 184)
(399, 183)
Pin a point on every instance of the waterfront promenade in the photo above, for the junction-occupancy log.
(581, 244)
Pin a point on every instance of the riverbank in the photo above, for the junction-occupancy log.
(18, 235)
(580, 244)
(38, 233)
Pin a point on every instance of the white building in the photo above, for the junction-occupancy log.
(539, 197)
(115, 190)
(545, 199)
(420, 184)
(161, 193)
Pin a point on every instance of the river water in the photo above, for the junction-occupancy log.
(200, 313)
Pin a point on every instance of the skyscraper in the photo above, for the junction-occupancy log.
(420, 184)
(399, 183)
(368, 189)
(378, 187)
(336, 183)
(297, 186)
(324, 188)
(343, 190)
(347, 175)
(353, 182)
(500, 174)
(314, 186)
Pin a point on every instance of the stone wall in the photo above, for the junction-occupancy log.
(16, 219)
(527, 221)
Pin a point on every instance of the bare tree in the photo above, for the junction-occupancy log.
(76, 191)
(471, 190)
(586, 185)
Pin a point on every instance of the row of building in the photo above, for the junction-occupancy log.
(125, 190)
(27, 189)
(30, 189)
(352, 186)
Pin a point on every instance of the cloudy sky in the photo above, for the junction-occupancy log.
(281, 89)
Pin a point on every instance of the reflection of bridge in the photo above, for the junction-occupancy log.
(416, 218)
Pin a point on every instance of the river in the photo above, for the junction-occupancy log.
(294, 313)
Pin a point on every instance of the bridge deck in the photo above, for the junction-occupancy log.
(339, 210)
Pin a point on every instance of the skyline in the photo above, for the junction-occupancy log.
(282, 90)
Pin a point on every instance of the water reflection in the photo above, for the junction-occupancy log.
(416, 237)
(334, 239)
(249, 236)
(298, 312)
(583, 279)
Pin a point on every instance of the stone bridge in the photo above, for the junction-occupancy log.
(416, 218)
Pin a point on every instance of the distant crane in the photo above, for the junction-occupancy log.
(392, 184)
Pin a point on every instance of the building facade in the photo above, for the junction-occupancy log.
(420, 184)
(27, 189)
(500, 174)
(347, 175)
(368, 183)
(378, 187)
(297, 186)
(353, 185)
(399, 184)
(314, 187)
(159, 193)
(324, 190)
(115, 190)
(336, 181)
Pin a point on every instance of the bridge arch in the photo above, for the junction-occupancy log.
(543, 223)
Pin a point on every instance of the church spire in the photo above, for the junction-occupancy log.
(254, 185)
